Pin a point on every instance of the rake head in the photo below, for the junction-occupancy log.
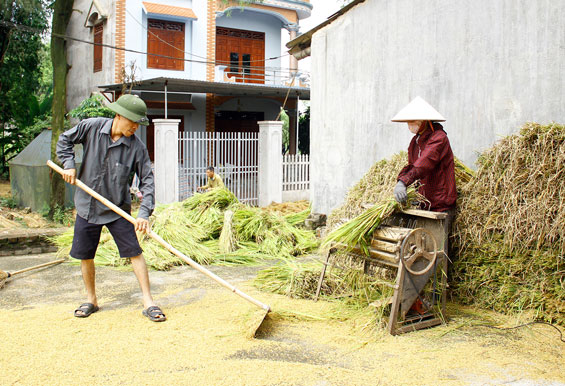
(3, 277)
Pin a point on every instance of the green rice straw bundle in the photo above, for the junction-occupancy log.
(359, 231)
(227, 240)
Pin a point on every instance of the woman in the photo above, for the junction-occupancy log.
(430, 158)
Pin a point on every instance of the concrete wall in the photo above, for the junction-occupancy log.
(487, 65)
(81, 80)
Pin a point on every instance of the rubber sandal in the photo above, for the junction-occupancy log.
(87, 309)
(153, 314)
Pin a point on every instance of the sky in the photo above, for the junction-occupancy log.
(321, 11)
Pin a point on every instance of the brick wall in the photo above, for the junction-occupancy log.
(120, 39)
(210, 68)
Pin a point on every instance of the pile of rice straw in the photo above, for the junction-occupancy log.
(212, 228)
(510, 229)
(378, 184)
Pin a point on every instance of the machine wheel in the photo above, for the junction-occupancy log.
(419, 244)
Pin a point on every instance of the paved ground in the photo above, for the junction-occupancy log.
(204, 341)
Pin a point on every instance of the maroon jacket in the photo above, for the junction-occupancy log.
(430, 160)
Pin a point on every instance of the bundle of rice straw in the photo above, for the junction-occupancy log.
(510, 229)
(375, 186)
(359, 230)
(378, 184)
(202, 228)
(227, 238)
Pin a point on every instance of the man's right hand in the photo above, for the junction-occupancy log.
(70, 176)
(400, 192)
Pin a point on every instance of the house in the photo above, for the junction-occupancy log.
(213, 64)
(488, 66)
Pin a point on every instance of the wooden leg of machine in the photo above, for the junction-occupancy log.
(444, 285)
(396, 299)
(322, 274)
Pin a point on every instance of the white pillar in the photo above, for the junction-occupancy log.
(293, 62)
(166, 160)
(270, 162)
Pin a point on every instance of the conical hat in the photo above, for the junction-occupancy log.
(418, 110)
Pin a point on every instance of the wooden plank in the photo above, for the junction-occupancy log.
(394, 310)
(418, 326)
(425, 214)
(386, 246)
(391, 233)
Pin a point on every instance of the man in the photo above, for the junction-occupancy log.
(430, 158)
(214, 180)
(111, 153)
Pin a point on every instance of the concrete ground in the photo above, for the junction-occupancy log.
(204, 340)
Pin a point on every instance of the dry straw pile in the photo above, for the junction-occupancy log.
(510, 230)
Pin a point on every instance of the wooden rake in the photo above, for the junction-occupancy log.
(6, 275)
(172, 249)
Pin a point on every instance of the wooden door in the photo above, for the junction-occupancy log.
(243, 52)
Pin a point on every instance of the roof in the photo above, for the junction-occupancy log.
(304, 41)
(170, 10)
(219, 88)
(39, 151)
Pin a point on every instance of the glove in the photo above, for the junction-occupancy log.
(400, 192)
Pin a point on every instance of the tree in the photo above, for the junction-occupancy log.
(304, 132)
(92, 107)
(62, 10)
(22, 23)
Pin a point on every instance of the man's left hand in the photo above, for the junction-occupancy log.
(142, 225)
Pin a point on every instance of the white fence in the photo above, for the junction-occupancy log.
(296, 172)
(234, 156)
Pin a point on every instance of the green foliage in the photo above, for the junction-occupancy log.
(285, 133)
(61, 215)
(8, 202)
(304, 132)
(23, 95)
(92, 107)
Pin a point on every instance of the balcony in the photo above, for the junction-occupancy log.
(266, 76)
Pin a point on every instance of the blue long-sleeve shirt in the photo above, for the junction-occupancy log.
(106, 168)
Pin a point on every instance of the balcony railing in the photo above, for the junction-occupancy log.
(267, 76)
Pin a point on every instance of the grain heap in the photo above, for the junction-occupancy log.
(212, 228)
(510, 230)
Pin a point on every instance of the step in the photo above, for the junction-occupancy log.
(28, 241)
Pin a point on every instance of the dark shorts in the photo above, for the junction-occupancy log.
(87, 236)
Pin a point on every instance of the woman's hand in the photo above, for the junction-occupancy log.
(400, 192)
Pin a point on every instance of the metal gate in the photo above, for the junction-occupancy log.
(234, 157)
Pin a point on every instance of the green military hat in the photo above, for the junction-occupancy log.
(131, 107)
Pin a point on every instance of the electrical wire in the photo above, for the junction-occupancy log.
(67, 37)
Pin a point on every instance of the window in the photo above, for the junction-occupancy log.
(243, 52)
(165, 39)
(98, 33)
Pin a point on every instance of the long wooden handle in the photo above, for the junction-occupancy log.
(160, 240)
(10, 274)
